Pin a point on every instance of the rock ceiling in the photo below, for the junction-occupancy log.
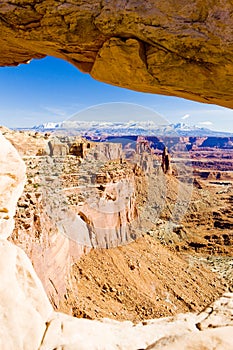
(173, 47)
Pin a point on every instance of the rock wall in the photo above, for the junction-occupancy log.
(27, 143)
(99, 215)
(56, 148)
(101, 151)
(110, 208)
(12, 179)
(171, 48)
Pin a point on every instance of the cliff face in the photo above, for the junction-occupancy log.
(27, 143)
(172, 48)
(71, 204)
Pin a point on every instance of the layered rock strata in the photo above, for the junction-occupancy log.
(71, 204)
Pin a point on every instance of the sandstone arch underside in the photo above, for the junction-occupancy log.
(173, 47)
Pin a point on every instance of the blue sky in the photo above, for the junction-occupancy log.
(53, 90)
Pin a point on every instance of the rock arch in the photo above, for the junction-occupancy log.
(174, 48)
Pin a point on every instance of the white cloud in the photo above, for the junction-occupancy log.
(205, 123)
(186, 116)
(55, 110)
(63, 111)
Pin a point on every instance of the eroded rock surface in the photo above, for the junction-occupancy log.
(24, 305)
(180, 332)
(70, 204)
(12, 179)
(174, 48)
(220, 339)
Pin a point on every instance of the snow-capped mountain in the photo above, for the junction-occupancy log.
(49, 125)
(149, 128)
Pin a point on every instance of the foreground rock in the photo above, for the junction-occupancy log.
(107, 334)
(172, 48)
(219, 339)
(215, 324)
(24, 305)
(12, 179)
(180, 332)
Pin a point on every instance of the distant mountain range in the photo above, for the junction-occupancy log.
(149, 128)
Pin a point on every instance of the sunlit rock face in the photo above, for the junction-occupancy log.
(24, 305)
(167, 47)
(12, 179)
(98, 213)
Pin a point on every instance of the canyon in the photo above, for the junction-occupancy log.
(165, 269)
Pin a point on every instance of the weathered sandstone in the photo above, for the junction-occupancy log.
(56, 148)
(27, 143)
(54, 239)
(12, 179)
(24, 305)
(174, 48)
(219, 339)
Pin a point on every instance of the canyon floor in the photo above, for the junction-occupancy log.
(163, 267)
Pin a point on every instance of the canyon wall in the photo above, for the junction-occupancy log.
(100, 194)
(171, 48)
